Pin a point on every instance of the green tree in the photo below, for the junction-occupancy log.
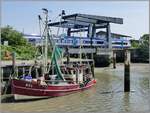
(13, 37)
(144, 47)
(17, 43)
(134, 43)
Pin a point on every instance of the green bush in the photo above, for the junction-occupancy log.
(13, 37)
(22, 52)
(17, 43)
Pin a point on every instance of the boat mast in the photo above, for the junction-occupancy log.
(80, 51)
(46, 40)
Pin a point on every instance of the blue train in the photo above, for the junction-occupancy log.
(73, 41)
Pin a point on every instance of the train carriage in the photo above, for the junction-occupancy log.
(73, 41)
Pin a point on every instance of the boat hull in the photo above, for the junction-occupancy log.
(30, 89)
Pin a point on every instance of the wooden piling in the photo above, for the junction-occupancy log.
(127, 71)
(92, 69)
(68, 55)
(13, 61)
(2, 74)
(114, 59)
(23, 70)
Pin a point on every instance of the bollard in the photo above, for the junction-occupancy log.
(127, 71)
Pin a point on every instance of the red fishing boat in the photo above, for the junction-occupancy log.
(27, 90)
(55, 78)
(44, 87)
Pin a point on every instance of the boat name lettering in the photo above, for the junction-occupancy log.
(28, 85)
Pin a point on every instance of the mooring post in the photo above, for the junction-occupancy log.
(68, 55)
(13, 61)
(92, 69)
(114, 59)
(127, 71)
(17, 71)
(2, 69)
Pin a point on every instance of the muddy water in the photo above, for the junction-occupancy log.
(107, 95)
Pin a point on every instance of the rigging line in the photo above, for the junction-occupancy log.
(55, 49)
(43, 37)
(57, 31)
(52, 44)
(50, 37)
(51, 40)
(40, 31)
(53, 54)
(54, 19)
(37, 49)
(59, 24)
(85, 53)
(80, 47)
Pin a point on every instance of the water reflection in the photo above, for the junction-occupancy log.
(107, 95)
(126, 101)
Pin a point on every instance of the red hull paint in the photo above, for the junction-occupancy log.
(31, 89)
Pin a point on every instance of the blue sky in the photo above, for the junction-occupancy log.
(23, 15)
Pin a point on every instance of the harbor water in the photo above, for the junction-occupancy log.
(106, 96)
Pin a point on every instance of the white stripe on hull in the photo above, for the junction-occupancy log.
(26, 97)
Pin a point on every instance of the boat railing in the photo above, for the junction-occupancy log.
(71, 81)
(58, 81)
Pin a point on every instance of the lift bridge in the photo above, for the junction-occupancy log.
(93, 42)
(75, 23)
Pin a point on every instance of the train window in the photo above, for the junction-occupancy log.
(69, 41)
(100, 42)
(63, 41)
(87, 42)
(119, 43)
